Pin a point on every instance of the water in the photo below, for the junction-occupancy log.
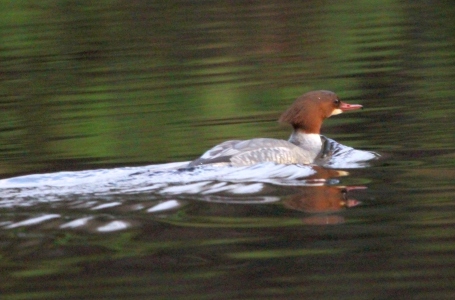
(102, 103)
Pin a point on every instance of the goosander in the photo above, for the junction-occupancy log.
(305, 145)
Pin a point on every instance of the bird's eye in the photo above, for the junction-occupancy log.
(336, 101)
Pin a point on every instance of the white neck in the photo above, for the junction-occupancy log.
(309, 141)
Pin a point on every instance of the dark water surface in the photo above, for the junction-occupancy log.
(117, 89)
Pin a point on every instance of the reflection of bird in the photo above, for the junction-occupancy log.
(322, 199)
(305, 115)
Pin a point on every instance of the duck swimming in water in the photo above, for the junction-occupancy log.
(305, 146)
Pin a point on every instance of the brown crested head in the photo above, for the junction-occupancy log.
(309, 110)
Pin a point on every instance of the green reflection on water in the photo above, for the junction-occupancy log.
(84, 84)
(267, 254)
(232, 222)
(91, 85)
